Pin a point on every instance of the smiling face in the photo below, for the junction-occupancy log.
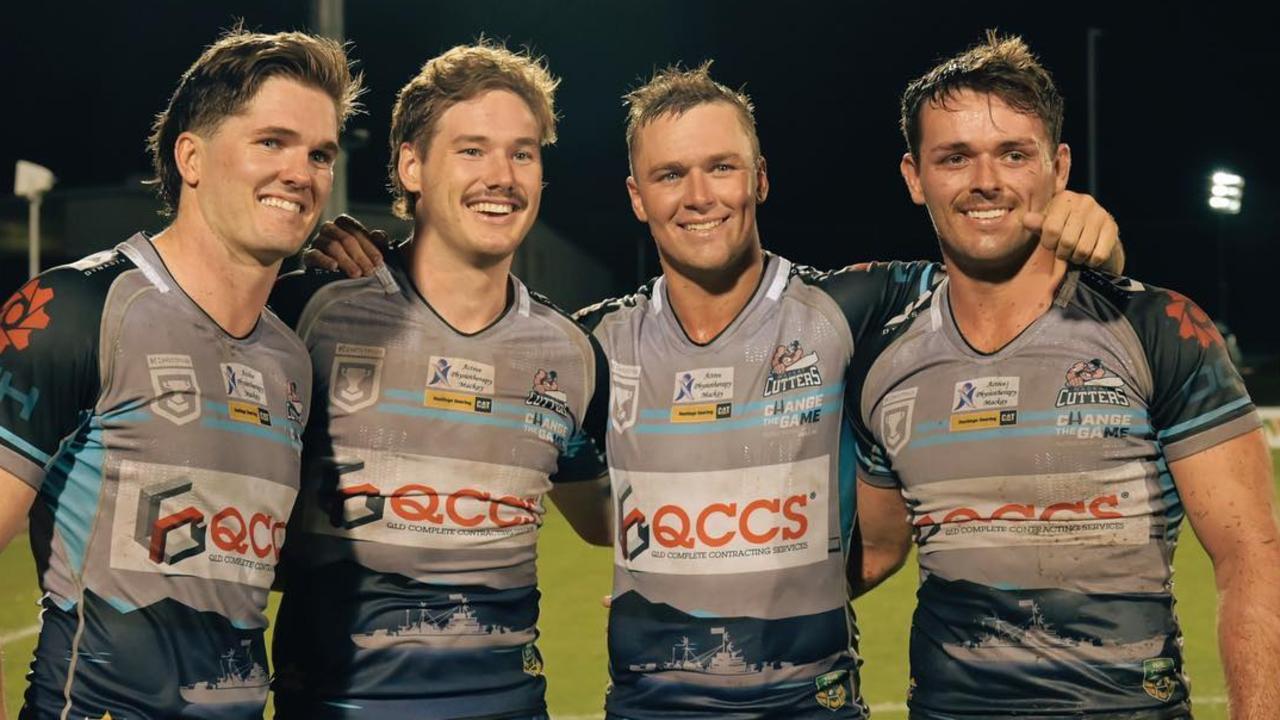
(696, 181)
(982, 167)
(262, 177)
(480, 184)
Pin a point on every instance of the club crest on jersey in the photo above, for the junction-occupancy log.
(356, 377)
(895, 419)
(624, 391)
(790, 368)
(1159, 678)
(546, 393)
(531, 661)
(832, 694)
(173, 378)
(1089, 382)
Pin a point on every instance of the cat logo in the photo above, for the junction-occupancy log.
(532, 661)
(895, 419)
(624, 394)
(173, 378)
(1159, 678)
(832, 694)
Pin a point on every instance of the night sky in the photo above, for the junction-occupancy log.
(1183, 90)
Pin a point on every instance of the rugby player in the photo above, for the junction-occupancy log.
(152, 412)
(450, 399)
(1046, 430)
(724, 439)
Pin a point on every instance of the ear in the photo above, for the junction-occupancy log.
(409, 169)
(762, 180)
(637, 204)
(188, 155)
(1061, 167)
(911, 175)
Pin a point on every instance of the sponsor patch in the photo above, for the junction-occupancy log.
(461, 374)
(244, 383)
(624, 391)
(895, 419)
(1089, 382)
(702, 395)
(832, 694)
(983, 420)
(23, 314)
(173, 379)
(985, 394)
(248, 413)
(1159, 678)
(791, 368)
(1104, 508)
(293, 406)
(356, 377)
(203, 523)
(546, 393)
(719, 522)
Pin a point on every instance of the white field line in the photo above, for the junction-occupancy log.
(901, 708)
(21, 634)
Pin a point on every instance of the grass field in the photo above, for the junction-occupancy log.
(575, 576)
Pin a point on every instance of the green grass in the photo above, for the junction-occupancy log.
(575, 576)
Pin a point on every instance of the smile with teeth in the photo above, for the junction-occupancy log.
(987, 214)
(702, 226)
(492, 208)
(281, 203)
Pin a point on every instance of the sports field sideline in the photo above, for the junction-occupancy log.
(575, 576)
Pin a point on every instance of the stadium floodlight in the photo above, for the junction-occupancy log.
(32, 181)
(1226, 192)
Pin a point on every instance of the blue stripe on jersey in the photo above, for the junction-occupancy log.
(72, 486)
(1205, 418)
(847, 484)
(1173, 511)
(751, 414)
(471, 418)
(224, 422)
(31, 450)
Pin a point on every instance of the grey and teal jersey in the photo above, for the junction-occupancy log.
(726, 460)
(1038, 482)
(165, 456)
(410, 588)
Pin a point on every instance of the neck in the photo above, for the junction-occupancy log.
(230, 287)
(991, 313)
(469, 295)
(706, 305)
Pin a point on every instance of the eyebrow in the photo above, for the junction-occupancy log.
(484, 139)
(960, 145)
(327, 146)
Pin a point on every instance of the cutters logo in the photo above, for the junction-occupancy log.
(744, 520)
(173, 379)
(379, 499)
(356, 377)
(546, 393)
(791, 368)
(624, 391)
(191, 521)
(23, 314)
(1193, 323)
(1089, 382)
(1110, 508)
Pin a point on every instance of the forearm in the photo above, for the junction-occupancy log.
(878, 563)
(1249, 634)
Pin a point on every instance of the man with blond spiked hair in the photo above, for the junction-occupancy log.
(152, 411)
(450, 400)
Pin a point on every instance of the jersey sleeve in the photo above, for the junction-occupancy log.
(583, 457)
(1198, 397)
(873, 295)
(49, 373)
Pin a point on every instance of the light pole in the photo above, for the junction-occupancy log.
(1226, 193)
(32, 181)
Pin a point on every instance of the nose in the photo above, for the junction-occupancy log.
(986, 176)
(499, 173)
(697, 191)
(298, 169)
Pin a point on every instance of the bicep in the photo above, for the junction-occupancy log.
(1229, 497)
(883, 517)
(16, 497)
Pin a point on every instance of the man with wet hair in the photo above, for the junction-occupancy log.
(1044, 430)
(152, 411)
(450, 401)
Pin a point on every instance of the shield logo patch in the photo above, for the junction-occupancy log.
(895, 419)
(624, 389)
(355, 381)
(177, 394)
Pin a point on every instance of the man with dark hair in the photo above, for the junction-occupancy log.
(724, 445)
(1045, 430)
(152, 412)
(450, 400)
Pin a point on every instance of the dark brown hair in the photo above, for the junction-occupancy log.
(675, 91)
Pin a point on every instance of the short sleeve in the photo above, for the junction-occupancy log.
(583, 457)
